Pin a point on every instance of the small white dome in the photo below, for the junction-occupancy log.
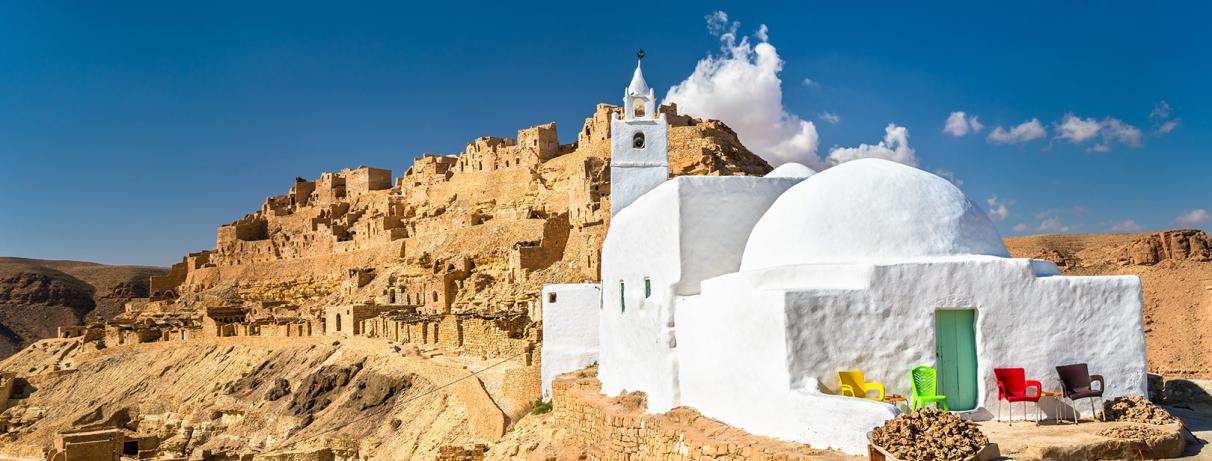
(870, 210)
(638, 86)
(791, 170)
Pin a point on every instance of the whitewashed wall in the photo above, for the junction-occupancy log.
(751, 347)
(686, 230)
(570, 329)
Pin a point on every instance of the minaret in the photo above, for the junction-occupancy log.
(639, 154)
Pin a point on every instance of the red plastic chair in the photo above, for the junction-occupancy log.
(1013, 386)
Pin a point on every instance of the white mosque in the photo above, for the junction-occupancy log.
(742, 297)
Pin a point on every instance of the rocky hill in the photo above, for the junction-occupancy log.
(1175, 268)
(474, 232)
(223, 353)
(37, 296)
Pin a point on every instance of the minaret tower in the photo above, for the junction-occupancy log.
(639, 154)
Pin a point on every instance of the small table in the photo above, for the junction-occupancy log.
(896, 399)
(1055, 396)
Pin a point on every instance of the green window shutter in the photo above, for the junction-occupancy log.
(647, 287)
(622, 297)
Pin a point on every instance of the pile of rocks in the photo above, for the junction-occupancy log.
(929, 434)
(1137, 410)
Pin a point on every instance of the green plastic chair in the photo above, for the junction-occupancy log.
(925, 389)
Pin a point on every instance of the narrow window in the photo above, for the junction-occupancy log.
(647, 287)
(622, 297)
(551, 298)
(637, 141)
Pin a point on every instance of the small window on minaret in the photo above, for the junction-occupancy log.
(637, 141)
(638, 103)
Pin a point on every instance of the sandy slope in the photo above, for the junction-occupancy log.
(216, 394)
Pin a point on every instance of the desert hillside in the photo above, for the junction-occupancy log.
(37, 296)
(249, 395)
(1175, 269)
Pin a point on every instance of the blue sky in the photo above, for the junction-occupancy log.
(129, 131)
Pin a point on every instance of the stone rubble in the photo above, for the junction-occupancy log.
(929, 434)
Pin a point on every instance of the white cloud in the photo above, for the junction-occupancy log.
(1160, 111)
(999, 209)
(1112, 130)
(1020, 227)
(1160, 116)
(1052, 224)
(1024, 132)
(809, 82)
(1127, 225)
(1118, 131)
(895, 147)
(763, 33)
(1168, 126)
(741, 87)
(1193, 217)
(959, 124)
(1077, 129)
(829, 117)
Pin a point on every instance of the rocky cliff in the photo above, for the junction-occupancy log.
(37, 296)
(1175, 268)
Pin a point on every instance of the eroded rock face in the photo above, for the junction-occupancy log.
(1182, 244)
(32, 287)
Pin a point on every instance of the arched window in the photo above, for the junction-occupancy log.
(338, 326)
(637, 141)
(638, 104)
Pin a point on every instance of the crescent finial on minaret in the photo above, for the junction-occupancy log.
(639, 55)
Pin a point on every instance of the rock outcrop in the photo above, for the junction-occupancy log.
(1175, 268)
(38, 296)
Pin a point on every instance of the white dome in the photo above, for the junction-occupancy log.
(791, 170)
(870, 210)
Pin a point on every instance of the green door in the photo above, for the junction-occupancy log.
(955, 343)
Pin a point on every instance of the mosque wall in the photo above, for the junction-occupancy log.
(744, 345)
(570, 329)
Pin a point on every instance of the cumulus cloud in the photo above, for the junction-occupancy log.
(1077, 129)
(741, 87)
(895, 147)
(829, 117)
(1111, 130)
(1193, 217)
(999, 209)
(1024, 132)
(1127, 225)
(960, 124)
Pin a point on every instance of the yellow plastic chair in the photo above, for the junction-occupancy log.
(854, 386)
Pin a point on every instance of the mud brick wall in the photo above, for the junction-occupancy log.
(618, 429)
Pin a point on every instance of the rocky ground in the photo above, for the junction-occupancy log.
(242, 396)
(37, 296)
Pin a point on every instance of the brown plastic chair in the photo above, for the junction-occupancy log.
(1077, 383)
